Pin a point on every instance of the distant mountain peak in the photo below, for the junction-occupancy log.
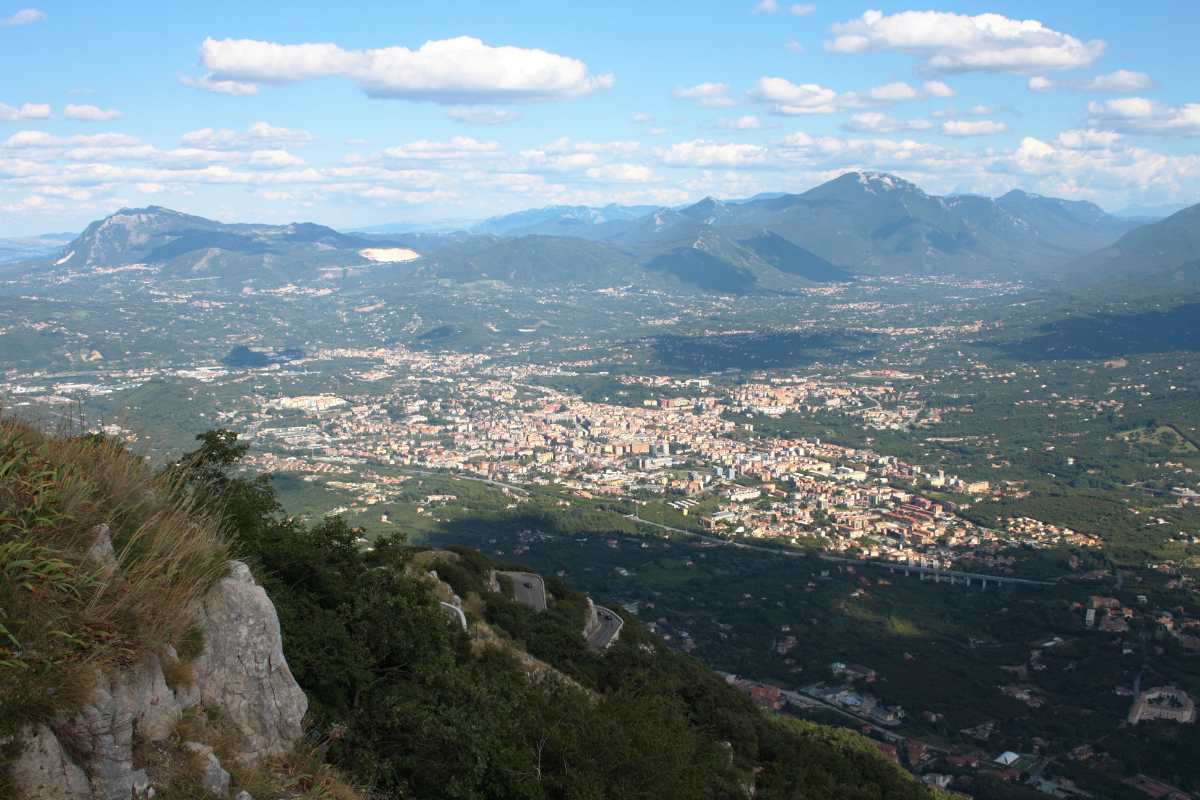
(884, 181)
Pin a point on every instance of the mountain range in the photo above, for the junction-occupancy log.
(861, 223)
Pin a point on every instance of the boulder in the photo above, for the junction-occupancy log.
(242, 670)
(101, 552)
(213, 777)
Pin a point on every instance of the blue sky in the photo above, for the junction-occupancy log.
(419, 111)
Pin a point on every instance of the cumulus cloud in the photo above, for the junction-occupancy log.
(1087, 139)
(26, 16)
(1139, 115)
(794, 46)
(708, 94)
(705, 153)
(482, 115)
(258, 135)
(458, 71)
(459, 148)
(90, 113)
(937, 89)
(774, 7)
(877, 122)
(790, 98)
(210, 84)
(982, 127)
(26, 111)
(892, 92)
(1122, 81)
(949, 42)
(621, 173)
(746, 122)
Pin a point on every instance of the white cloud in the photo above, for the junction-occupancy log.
(621, 173)
(948, 42)
(482, 115)
(259, 135)
(876, 122)
(790, 98)
(773, 7)
(892, 92)
(981, 110)
(810, 98)
(983, 127)
(1068, 171)
(210, 84)
(1139, 115)
(26, 16)
(90, 113)
(1087, 139)
(704, 153)
(937, 89)
(26, 111)
(459, 148)
(794, 46)
(1121, 81)
(462, 70)
(746, 122)
(642, 118)
(41, 139)
(708, 94)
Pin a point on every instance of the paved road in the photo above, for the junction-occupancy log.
(455, 612)
(528, 589)
(606, 632)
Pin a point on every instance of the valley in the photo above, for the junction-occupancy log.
(727, 463)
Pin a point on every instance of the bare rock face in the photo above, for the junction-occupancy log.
(46, 772)
(213, 777)
(241, 671)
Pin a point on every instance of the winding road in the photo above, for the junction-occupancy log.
(607, 631)
(528, 589)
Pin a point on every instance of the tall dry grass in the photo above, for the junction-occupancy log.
(62, 614)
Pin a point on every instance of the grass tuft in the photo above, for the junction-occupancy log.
(62, 615)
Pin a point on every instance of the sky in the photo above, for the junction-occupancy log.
(360, 114)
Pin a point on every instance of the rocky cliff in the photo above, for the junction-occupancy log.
(110, 749)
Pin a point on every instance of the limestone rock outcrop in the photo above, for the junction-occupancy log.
(241, 671)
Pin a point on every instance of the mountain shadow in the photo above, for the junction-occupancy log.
(1112, 335)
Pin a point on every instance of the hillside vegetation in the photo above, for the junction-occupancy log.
(402, 701)
(67, 607)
